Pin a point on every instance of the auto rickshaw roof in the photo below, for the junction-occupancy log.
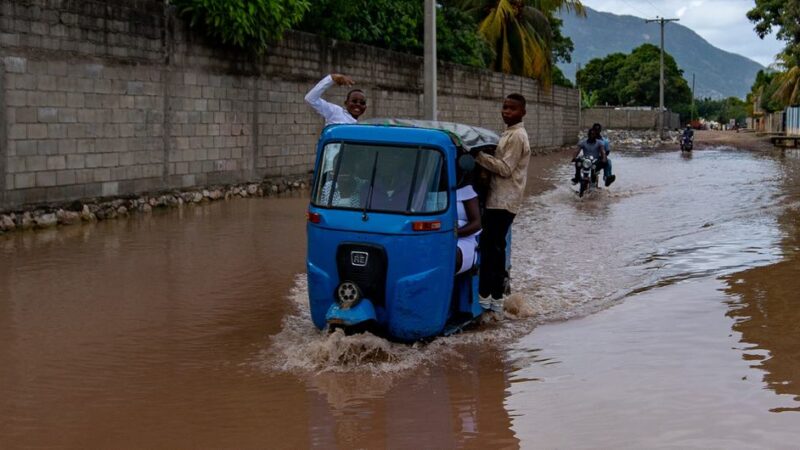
(468, 136)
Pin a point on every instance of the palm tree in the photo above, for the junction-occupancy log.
(788, 81)
(520, 33)
(788, 91)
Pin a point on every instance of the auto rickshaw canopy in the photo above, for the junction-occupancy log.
(470, 137)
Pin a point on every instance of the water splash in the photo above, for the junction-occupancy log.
(301, 348)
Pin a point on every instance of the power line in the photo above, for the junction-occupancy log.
(655, 7)
(643, 14)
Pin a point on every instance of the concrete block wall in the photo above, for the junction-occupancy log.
(80, 130)
(114, 97)
(624, 119)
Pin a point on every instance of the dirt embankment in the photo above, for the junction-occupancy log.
(742, 140)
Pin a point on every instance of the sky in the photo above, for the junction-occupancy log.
(723, 23)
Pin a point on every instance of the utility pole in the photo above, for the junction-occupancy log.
(580, 97)
(429, 93)
(692, 110)
(661, 21)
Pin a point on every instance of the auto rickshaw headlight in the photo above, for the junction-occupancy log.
(348, 294)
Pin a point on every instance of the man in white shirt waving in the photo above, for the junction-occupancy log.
(355, 103)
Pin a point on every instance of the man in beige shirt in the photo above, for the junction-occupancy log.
(509, 173)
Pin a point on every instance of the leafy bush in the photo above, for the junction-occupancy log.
(458, 40)
(399, 25)
(249, 24)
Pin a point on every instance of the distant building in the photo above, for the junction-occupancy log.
(766, 122)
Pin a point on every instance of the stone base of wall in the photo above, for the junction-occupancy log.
(93, 210)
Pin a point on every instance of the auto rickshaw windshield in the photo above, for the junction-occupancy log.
(381, 178)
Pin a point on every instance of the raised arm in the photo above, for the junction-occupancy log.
(314, 98)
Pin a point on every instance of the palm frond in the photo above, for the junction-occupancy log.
(506, 59)
(788, 91)
(521, 33)
(551, 6)
(492, 26)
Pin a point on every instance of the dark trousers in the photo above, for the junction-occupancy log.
(495, 223)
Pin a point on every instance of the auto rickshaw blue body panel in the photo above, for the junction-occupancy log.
(422, 292)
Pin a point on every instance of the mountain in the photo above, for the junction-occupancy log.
(718, 73)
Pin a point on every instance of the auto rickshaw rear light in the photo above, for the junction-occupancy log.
(313, 217)
(432, 225)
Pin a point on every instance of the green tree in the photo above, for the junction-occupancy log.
(457, 38)
(561, 46)
(599, 78)
(390, 24)
(722, 110)
(559, 79)
(764, 88)
(632, 80)
(521, 33)
(640, 77)
(398, 25)
(248, 24)
(561, 49)
(787, 89)
(783, 15)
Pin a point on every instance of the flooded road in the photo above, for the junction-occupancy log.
(190, 328)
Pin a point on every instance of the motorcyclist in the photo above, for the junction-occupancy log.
(591, 146)
(608, 176)
(688, 133)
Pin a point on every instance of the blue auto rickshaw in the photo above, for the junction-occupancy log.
(382, 228)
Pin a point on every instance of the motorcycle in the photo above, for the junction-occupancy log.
(687, 142)
(588, 174)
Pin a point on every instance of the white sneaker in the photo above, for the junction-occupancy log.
(497, 305)
(485, 302)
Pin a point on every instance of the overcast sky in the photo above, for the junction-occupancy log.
(723, 23)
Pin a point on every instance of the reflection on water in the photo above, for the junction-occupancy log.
(148, 333)
(456, 404)
(132, 333)
(766, 305)
(674, 365)
(660, 370)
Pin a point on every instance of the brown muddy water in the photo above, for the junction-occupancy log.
(667, 315)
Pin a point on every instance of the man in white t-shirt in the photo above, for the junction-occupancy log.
(354, 104)
(469, 227)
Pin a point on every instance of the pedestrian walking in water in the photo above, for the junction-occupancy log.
(354, 104)
(509, 173)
